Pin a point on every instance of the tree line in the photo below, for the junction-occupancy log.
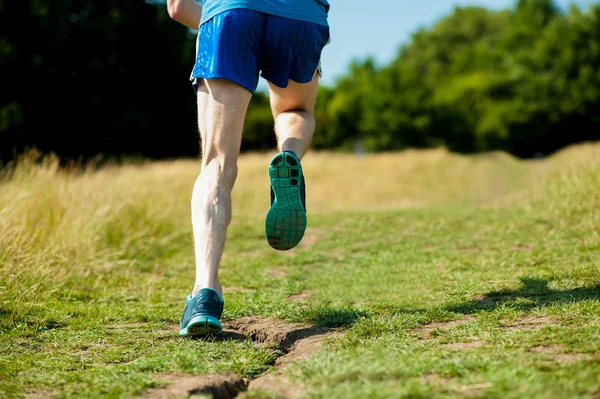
(111, 78)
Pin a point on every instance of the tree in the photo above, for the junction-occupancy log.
(95, 77)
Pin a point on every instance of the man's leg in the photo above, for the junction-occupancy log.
(294, 125)
(221, 110)
(293, 109)
(222, 107)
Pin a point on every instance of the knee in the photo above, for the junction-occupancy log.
(221, 171)
(292, 118)
(295, 113)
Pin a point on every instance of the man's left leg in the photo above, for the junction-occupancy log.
(222, 107)
(292, 108)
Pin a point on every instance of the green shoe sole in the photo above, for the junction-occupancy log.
(201, 326)
(286, 220)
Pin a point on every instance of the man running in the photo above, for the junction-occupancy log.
(237, 40)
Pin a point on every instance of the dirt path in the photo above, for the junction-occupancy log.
(293, 342)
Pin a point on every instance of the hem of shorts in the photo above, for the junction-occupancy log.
(301, 17)
(288, 81)
(276, 84)
(218, 76)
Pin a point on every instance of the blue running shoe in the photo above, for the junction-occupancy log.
(201, 314)
(286, 220)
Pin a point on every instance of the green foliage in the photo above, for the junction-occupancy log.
(524, 80)
(94, 78)
(112, 78)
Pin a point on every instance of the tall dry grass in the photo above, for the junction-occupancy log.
(67, 229)
(64, 228)
(570, 190)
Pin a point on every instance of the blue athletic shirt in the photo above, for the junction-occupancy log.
(304, 10)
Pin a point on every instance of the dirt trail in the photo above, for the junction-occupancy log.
(297, 342)
(292, 341)
(218, 386)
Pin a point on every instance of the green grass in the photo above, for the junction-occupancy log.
(501, 255)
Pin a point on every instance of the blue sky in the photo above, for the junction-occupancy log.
(361, 28)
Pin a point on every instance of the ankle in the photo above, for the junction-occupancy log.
(217, 287)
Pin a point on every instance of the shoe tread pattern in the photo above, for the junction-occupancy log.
(286, 220)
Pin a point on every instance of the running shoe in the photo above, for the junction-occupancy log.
(286, 220)
(201, 314)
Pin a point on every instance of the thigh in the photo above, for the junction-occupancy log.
(222, 107)
(294, 97)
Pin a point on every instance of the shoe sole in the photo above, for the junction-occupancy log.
(201, 326)
(286, 220)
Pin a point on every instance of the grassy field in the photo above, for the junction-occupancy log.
(427, 274)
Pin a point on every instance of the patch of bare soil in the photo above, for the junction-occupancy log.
(277, 272)
(276, 383)
(465, 389)
(530, 323)
(292, 339)
(292, 342)
(219, 386)
(42, 394)
(301, 296)
(312, 235)
(435, 379)
(571, 357)
(557, 353)
(264, 331)
(464, 345)
(545, 349)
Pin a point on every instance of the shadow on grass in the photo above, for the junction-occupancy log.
(534, 293)
(334, 316)
(230, 336)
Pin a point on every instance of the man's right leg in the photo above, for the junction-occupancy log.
(222, 107)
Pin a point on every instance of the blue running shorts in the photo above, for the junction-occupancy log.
(239, 44)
